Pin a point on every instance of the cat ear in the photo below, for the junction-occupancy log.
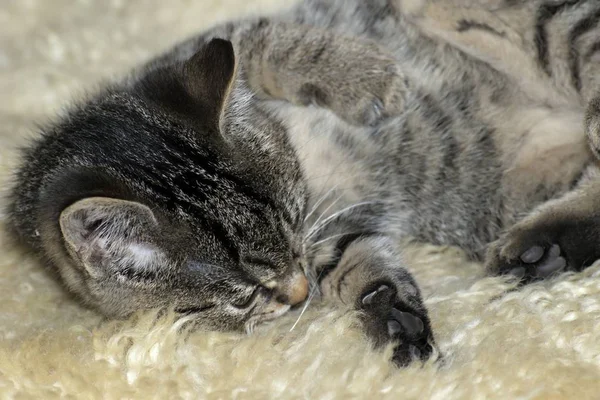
(210, 73)
(107, 235)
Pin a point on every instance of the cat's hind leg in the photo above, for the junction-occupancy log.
(561, 234)
(592, 126)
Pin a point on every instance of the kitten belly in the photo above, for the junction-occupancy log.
(545, 151)
(337, 159)
(329, 164)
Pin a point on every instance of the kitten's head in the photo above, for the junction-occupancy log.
(177, 192)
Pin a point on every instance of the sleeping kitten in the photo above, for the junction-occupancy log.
(218, 177)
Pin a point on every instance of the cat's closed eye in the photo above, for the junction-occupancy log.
(247, 302)
(259, 261)
(193, 310)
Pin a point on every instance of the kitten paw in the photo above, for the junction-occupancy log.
(388, 319)
(549, 242)
(525, 260)
(380, 95)
(539, 263)
(370, 89)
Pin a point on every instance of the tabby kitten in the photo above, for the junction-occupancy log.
(219, 176)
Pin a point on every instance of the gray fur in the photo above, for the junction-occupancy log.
(343, 126)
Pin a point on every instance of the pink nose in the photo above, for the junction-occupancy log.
(293, 290)
(298, 290)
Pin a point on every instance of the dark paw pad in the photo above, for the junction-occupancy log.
(388, 319)
(537, 262)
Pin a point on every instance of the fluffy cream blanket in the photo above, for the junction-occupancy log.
(542, 341)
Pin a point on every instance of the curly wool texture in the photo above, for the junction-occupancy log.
(542, 341)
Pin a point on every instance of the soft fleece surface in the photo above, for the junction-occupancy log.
(539, 342)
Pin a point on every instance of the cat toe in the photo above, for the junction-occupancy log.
(406, 354)
(411, 324)
(413, 337)
(537, 262)
(532, 255)
(554, 263)
(382, 97)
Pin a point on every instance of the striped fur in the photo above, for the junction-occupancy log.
(342, 127)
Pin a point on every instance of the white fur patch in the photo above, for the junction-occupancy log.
(144, 255)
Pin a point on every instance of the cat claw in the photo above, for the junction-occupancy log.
(368, 299)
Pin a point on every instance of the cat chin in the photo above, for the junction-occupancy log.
(270, 312)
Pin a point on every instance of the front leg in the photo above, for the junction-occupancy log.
(355, 78)
(368, 277)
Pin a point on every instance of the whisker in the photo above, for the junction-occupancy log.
(324, 223)
(315, 225)
(250, 325)
(306, 142)
(313, 291)
(328, 175)
(318, 203)
(332, 237)
(326, 183)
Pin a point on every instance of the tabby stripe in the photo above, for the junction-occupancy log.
(545, 14)
(221, 173)
(450, 154)
(262, 22)
(322, 8)
(280, 57)
(213, 174)
(466, 25)
(441, 122)
(577, 179)
(215, 227)
(211, 225)
(342, 278)
(595, 48)
(580, 29)
(239, 184)
(338, 252)
(318, 53)
(377, 13)
(165, 186)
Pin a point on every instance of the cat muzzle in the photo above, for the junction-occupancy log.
(293, 290)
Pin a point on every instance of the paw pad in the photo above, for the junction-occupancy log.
(411, 324)
(538, 262)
